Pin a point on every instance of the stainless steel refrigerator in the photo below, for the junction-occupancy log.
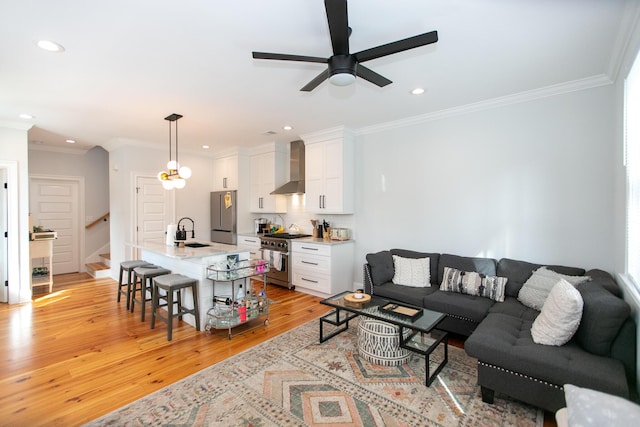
(224, 217)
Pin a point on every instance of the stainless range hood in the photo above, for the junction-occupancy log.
(296, 171)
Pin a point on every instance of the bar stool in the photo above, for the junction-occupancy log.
(142, 281)
(128, 266)
(171, 283)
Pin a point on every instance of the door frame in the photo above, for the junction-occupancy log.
(13, 267)
(81, 211)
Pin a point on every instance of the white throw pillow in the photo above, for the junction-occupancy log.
(535, 290)
(411, 271)
(560, 316)
(586, 407)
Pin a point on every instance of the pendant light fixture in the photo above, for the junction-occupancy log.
(177, 174)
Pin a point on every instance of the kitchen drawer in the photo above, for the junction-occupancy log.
(311, 248)
(316, 282)
(249, 241)
(302, 261)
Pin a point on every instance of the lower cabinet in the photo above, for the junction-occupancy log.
(252, 242)
(322, 269)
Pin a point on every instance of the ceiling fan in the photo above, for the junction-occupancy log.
(344, 66)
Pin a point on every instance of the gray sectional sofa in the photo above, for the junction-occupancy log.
(600, 356)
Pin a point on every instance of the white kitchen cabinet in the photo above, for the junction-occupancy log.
(267, 174)
(251, 242)
(225, 172)
(329, 176)
(322, 269)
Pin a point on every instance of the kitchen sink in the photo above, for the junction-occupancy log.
(196, 245)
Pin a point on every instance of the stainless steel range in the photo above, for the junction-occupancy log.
(275, 249)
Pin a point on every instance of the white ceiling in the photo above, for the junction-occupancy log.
(128, 64)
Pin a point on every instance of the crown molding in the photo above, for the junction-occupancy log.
(627, 38)
(327, 134)
(64, 150)
(517, 98)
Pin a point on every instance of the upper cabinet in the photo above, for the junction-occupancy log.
(329, 176)
(267, 173)
(225, 173)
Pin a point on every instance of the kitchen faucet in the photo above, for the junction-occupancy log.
(182, 234)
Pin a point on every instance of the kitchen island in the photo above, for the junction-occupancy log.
(193, 262)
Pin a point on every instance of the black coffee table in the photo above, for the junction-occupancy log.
(424, 322)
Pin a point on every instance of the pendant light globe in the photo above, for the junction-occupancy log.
(184, 172)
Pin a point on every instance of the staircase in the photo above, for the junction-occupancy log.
(99, 270)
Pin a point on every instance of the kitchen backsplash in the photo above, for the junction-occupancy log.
(296, 215)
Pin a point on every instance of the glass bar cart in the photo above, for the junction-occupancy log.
(236, 305)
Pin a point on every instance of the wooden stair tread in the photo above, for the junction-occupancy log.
(97, 266)
(106, 256)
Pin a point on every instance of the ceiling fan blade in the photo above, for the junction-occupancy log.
(372, 76)
(315, 82)
(338, 25)
(398, 46)
(287, 57)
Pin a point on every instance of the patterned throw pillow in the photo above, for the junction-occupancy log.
(535, 290)
(473, 283)
(560, 316)
(413, 272)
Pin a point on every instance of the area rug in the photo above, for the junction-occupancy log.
(292, 380)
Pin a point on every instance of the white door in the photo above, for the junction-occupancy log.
(55, 205)
(4, 261)
(154, 209)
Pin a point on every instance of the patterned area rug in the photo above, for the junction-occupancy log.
(291, 380)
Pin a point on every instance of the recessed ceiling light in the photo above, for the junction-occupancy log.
(205, 147)
(25, 116)
(50, 46)
(417, 91)
(71, 141)
(287, 127)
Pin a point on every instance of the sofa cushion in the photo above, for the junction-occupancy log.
(462, 305)
(401, 293)
(381, 264)
(512, 307)
(603, 315)
(560, 315)
(486, 266)
(413, 272)
(506, 341)
(433, 260)
(605, 280)
(535, 290)
(586, 407)
(473, 283)
(517, 272)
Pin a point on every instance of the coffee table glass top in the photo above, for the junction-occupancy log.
(424, 323)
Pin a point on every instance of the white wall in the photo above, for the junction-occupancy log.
(93, 165)
(14, 157)
(529, 181)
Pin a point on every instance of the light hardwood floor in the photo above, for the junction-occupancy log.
(75, 354)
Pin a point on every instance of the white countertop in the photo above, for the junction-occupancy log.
(159, 247)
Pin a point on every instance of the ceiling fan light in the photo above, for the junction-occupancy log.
(185, 172)
(342, 79)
